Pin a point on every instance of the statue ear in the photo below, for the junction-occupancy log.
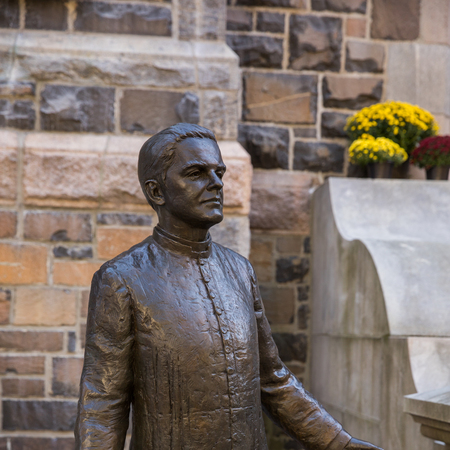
(154, 192)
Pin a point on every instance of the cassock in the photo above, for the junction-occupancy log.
(177, 329)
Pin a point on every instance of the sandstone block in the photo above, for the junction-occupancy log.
(19, 387)
(48, 15)
(9, 14)
(292, 347)
(19, 114)
(23, 264)
(17, 88)
(113, 241)
(239, 20)
(119, 188)
(305, 132)
(139, 220)
(281, 200)
(127, 18)
(268, 146)
(261, 258)
(297, 4)
(52, 307)
(319, 156)
(356, 27)
(289, 244)
(22, 365)
(364, 57)
(399, 20)
(333, 124)
(5, 307)
(149, 111)
(315, 42)
(66, 376)
(82, 335)
(187, 108)
(435, 21)
(212, 20)
(27, 341)
(62, 251)
(257, 51)
(76, 108)
(61, 178)
(351, 93)
(8, 224)
(39, 415)
(358, 6)
(292, 268)
(233, 232)
(270, 22)
(57, 226)
(218, 76)
(72, 342)
(279, 304)
(220, 113)
(84, 303)
(282, 98)
(42, 443)
(74, 273)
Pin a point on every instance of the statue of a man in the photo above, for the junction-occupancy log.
(176, 328)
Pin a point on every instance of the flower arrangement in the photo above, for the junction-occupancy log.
(433, 151)
(402, 123)
(369, 150)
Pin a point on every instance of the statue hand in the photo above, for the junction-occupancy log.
(356, 444)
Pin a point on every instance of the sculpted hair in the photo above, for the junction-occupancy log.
(157, 153)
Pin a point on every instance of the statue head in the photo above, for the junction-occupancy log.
(180, 170)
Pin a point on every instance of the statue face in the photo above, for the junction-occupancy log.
(193, 188)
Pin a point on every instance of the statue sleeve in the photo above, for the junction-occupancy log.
(284, 398)
(106, 381)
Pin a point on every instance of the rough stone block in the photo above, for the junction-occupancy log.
(291, 268)
(72, 342)
(233, 232)
(303, 314)
(270, 22)
(356, 27)
(239, 20)
(267, 146)
(257, 51)
(113, 241)
(19, 114)
(126, 18)
(23, 264)
(333, 124)
(139, 220)
(212, 20)
(351, 93)
(5, 305)
(22, 365)
(261, 258)
(17, 88)
(61, 178)
(305, 132)
(292, 347)
(297, 4)
(282, 98)
(39, 415)
(73, 252)
(149, 111)
(57, 226)
(399, 20)
(218, 76)
(8, 224)
(289, 244)
(279, 304)
(42, 443)
(19, 387)
(307, 245)
(74, 273)
(66, 376)
(315, 42)
(8, 167)
(281, 200)
(9, 14)
(319, 156)
(51, 307)
(435, 21)
(84, 303)
(364, 57)
(302, 293)
(45, 15)
(358, 6)
(28, 341)
(220, 113)
(76, 108)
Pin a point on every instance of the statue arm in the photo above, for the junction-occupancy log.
(106, 381)
(285, 400)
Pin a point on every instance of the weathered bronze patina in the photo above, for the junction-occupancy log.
(176, 328)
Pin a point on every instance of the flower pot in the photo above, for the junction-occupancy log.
(380, 170)
(438, 173)
(402, 170)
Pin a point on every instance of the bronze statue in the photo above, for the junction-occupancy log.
(176, 328)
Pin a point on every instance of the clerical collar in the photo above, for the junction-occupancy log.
(183, 246)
